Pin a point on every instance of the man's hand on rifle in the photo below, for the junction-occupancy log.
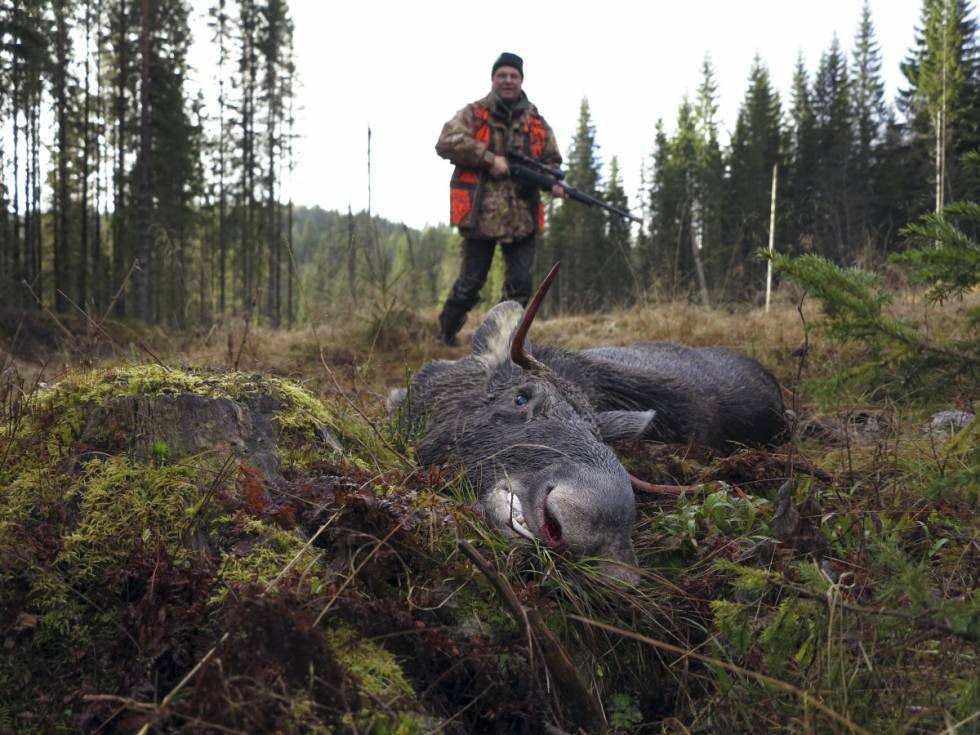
(557, 190)
(499, 168)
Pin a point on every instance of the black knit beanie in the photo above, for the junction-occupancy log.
(508, 59)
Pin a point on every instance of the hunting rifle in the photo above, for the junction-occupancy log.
(534, 172)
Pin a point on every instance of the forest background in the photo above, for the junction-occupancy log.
(123, 190)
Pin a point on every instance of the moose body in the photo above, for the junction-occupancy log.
(531, 427)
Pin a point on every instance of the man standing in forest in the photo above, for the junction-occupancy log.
(486, 204)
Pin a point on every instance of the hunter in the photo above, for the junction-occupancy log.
(487, 204)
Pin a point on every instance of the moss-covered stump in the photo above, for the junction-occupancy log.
(160, 414)
(146, 528)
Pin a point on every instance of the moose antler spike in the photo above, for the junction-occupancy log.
(518, 354)
(668, 490)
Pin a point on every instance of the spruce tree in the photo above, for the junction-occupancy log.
(651, 252)
(219, 24)
(755, 149)
(577, 232)
(870, 117)
(618, 277)
(709, 177)
(175, 152)
(835, 134)
(801, 175)
(683, 171)
(940, 103)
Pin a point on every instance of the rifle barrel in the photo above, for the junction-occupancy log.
(546, 181)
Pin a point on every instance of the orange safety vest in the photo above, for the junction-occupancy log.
(466, 184)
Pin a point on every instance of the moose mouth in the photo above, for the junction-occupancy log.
(549, 528)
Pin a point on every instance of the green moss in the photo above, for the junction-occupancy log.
(34, 494)
(478, 609)
(122, 503)
(261, 553)
(378, 671)
(747, 579)
(381, 678)
(96, 522)
(304, 715)
(730, 622)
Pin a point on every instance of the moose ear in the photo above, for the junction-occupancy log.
(493, 337)
(616, 425)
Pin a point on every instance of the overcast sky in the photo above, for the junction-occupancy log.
(404, 68)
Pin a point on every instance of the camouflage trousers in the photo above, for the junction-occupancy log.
(477, 259)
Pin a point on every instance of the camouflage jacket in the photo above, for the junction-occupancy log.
(505, 209)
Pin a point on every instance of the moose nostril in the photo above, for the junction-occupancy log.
(551, 530)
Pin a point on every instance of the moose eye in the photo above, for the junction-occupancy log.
(521, 399)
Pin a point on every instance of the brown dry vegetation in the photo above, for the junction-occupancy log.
(843, 601)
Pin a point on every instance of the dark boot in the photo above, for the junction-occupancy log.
(477, 257)
(450, 322)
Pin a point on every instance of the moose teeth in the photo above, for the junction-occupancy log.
(517, 518)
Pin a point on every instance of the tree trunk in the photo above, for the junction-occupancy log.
(222, 201)
(13, 277)
(142, 275)
(120, 237)
(290, 309)
(100, 282)
(62, 265)
(351, 257)
(83, 247)
(696, 253)
(37, 230)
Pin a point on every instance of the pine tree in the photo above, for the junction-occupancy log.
(123, 56)
(23, 60)
(61, 90)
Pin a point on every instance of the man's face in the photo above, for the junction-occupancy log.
(507, 83)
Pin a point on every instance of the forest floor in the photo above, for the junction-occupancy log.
(826, 586)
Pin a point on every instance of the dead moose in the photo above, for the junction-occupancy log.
(531, 425)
